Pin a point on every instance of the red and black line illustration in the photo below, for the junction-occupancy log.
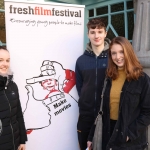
(48, 95)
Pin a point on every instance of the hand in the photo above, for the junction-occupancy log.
(127, 139)
(89, 145)
(56, 69)
(21, 147)
(60, 74)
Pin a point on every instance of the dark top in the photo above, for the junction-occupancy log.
(90, 73)
(12, 128)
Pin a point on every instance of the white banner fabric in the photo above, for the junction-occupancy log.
(44, 40)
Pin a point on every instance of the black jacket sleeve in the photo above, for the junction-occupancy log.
(143, 120)
(79, 79)
(91, 134)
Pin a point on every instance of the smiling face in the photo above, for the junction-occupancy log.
(117, 55)
(49, 84)
(97, 36)
(4, 61)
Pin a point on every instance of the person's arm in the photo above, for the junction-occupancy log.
(79, 79)
(143, 120)
(20, 119)
(90, 137)
(91, 134)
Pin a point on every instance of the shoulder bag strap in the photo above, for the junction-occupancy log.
(101, 105)
(102, 95)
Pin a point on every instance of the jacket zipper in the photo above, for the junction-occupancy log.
(95, 87)
(10, 120)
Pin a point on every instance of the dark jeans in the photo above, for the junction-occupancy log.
(83, 129)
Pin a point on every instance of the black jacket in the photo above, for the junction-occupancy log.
(12, 128)
(90, 73)
(134, 116)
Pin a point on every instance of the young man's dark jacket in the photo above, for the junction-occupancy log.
(134, 116)
(12, 128)
(90, 73)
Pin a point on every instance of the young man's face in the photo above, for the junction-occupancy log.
(97, 36)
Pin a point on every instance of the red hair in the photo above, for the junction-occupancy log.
(132, 66)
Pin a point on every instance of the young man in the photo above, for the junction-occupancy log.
(90, 74)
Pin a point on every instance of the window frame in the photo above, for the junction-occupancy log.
(109, 14)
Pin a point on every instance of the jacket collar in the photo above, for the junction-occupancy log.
(106, 45)
(4, 81)
(90, 52)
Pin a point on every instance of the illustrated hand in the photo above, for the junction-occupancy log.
(21, 147)
(55, 70)
(60, 74)
(89, 145)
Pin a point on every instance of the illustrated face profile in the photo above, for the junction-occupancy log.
(49, 84)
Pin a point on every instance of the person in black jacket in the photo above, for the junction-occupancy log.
(12, 129)
(126, 100)
(90, 73)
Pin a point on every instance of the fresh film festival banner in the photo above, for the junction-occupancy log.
(44, 41)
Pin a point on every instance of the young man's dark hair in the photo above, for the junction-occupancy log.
(90, 73)
(96, 23)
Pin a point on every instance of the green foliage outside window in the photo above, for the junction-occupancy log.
(2, 23)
